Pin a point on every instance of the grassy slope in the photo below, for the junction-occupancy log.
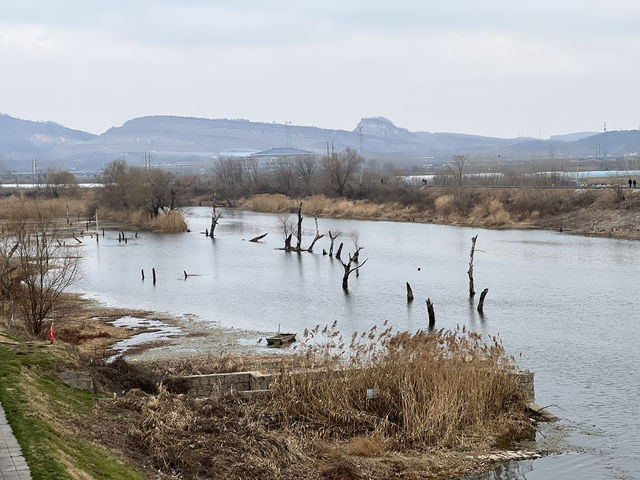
(37, 405)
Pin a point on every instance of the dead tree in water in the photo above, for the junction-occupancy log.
(356, 240)
(481, 302)
(339, 251)
(332, 237)
(348, 270)
(316, 238)
(472, 291)
(432, 315)
(299, 234)
(214, 217)
(259, 237)
(409, 293)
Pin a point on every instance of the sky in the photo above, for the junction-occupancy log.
(495, 68)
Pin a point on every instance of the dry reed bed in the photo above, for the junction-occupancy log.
(438, 390)
(492, 208)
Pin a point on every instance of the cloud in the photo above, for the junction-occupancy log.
(477, 66)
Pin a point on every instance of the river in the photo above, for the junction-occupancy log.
(565, 306)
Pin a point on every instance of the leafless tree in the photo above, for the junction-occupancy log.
(61, 183)
(46, 268)
(306, 166)
(341, 168)
(286, 227)
(229, 174)
(459, 165)
(283, 174)
(348, 270)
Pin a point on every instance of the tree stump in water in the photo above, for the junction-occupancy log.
(472, 291)
(481, 302)
(339, 251)
(409, 293)
(432, 315)
(153, 271)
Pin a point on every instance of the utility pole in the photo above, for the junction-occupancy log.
(288, 125)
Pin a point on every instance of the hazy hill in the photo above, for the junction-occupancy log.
(25, 137)
(200, 140)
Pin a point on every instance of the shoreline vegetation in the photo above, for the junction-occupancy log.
(443, 417)
(611, 213)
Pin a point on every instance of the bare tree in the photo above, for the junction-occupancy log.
(460, 163)
(306, 166)
(341, 168)
(316, 238)
(348, 270)
(284, 175)
(47, 268)
(333, 237)
(229, 174)
(215, 216)
(61, 182)
(286, 227)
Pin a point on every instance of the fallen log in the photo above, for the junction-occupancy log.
(259, 237)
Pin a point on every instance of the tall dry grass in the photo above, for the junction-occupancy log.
(18, 208)
(434, 389)
(168, 222)
(440, 389)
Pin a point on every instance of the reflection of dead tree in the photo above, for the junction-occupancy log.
(472, 291)
(332, 237)
(316, 238)
(348, 270)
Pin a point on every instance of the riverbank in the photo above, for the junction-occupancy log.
(610, 213)
(138, 429)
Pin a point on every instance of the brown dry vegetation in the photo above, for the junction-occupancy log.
(611, 212)
(439, 394)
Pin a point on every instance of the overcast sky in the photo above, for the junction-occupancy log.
(498, 68)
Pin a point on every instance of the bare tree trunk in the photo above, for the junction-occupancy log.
(299, 235)
(432, 315)
(332, 237)
(348, 270)
(153, 271)
(481, 302)
(316, 238)
(214, 217)
(339, 251)
(409, 293)
(142, 271)
(287, 243)
(472, 291)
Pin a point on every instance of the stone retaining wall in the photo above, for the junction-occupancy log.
(219, 383)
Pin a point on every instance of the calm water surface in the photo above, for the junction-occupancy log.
(566, 306)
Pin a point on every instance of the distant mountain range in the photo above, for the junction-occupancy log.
(198, 141)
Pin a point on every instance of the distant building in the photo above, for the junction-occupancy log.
(273, 153)
(267, 158)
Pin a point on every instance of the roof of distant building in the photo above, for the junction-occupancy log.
(281, 152)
